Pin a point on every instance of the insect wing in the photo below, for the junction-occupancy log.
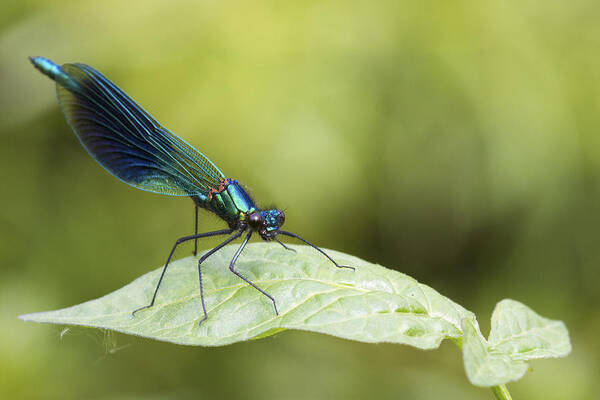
(127, 141)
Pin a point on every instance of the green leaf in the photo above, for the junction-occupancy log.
(370, 304)
(519, 331)
(518, 334)
(484, 366)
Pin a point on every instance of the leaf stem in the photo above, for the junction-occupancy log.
(501, 392)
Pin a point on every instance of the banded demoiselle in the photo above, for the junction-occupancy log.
(131, 145)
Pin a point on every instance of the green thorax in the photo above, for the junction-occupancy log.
(229, 201)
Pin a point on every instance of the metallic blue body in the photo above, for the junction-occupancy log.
(231, 204)
(134, 147)
(123, 138)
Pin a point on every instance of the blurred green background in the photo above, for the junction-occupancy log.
(454, 141)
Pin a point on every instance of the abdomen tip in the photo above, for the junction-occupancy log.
(45, 66)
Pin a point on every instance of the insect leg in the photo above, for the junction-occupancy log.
(196, 231)
(284, 246)
(177, 243)
(232, 269)
(314, 247)
(204, 257)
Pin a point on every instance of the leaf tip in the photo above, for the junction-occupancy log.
(25, 317)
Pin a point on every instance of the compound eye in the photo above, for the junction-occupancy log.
(255, 219)
(280, 217)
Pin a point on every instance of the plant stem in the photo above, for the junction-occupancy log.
(501, 392)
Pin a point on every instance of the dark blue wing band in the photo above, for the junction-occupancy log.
(126, 140)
